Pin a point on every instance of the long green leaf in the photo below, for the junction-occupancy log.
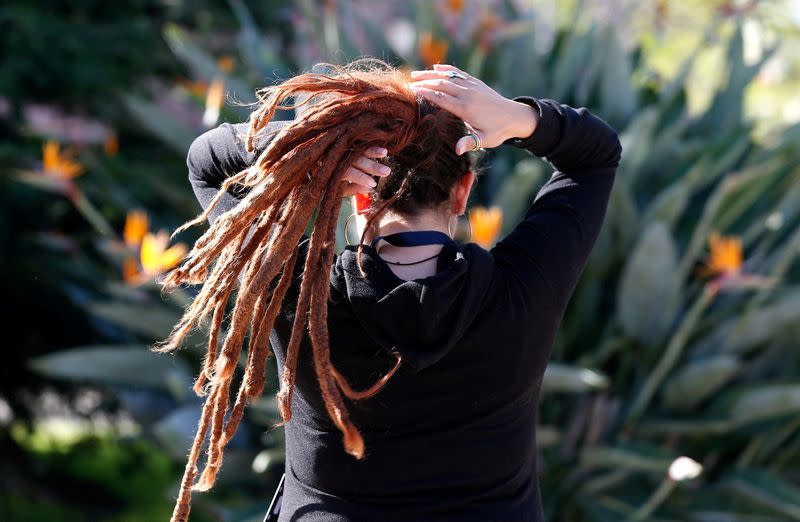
(698, 381)
(767, 489)
(126, 365)
(650, 287)
(562, 378)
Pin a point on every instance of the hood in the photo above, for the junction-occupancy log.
(424, 318)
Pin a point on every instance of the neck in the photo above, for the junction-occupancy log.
(392, 222)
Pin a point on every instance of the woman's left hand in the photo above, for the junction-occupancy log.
(492, 116)
(358, 177)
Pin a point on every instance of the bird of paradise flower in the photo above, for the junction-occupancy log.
(724, 265)
(431, 50)
(485, 225)
(154, 254)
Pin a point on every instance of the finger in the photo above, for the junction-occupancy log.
(442, 85)
(351, 189)
(354, 175)
(468, 143)
(434, 75)
(448, 67)
(375, 152)
(442, 99)
(372, 168)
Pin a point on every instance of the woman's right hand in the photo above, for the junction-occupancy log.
(492, 116)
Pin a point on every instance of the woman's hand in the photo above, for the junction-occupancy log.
(493, 117)
(358, 177)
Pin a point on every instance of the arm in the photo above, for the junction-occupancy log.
(546, 252)
(550, 247)
(218, 154)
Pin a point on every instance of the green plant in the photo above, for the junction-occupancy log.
(654, 361)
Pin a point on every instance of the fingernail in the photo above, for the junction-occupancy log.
(381, 150)
(385, 169)
(372, 182)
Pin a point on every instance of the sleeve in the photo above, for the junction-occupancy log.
(218, 154)
(546, 252)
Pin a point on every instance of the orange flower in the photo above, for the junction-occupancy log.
(725, 256)
(156, 257)
(214, 98)
(432, 50)
(485, 224)
(111, 145)
(455, 6)
(130, 271)
(725, 262)
(198, 89)
(226, 63)
(136, 224)
(154, 254)
(58, 165)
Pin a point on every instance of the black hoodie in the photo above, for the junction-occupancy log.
(452, 434)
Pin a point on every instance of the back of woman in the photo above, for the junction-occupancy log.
(406, 398)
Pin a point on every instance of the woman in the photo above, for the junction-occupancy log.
(410, 364)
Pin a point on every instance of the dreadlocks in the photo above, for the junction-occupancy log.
(365, 104)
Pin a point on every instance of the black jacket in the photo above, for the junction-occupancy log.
(452, 435)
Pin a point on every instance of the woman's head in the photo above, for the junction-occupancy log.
(253, 248)
(429, 161)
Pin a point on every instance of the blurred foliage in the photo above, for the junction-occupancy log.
(677, 342)
(103, 473)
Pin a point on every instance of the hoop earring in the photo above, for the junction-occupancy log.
(347, 229)
(452, 234)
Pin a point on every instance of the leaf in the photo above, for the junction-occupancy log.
(168, 130)
(637, 141)
(727, 108)
(205, 65)
(727, 516)
(514, 195)
(547, 436)
(520, 54)
(718, 197)
(255, 51)
(638, 458)
(670, 203)
(149, 320)
(704, 427)
(763, 402)
(650, 287)
(563, 378)
(697, 381)
(123, 365)
(766, 489)
(743, 334)
(619, 99)
(176, 430)
(572, 55)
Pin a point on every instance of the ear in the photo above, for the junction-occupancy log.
(461, 192)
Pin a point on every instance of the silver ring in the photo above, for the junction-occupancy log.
(454, 74)
(476, 138)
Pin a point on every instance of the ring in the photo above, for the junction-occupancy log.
(476, 138)
(454, 74)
